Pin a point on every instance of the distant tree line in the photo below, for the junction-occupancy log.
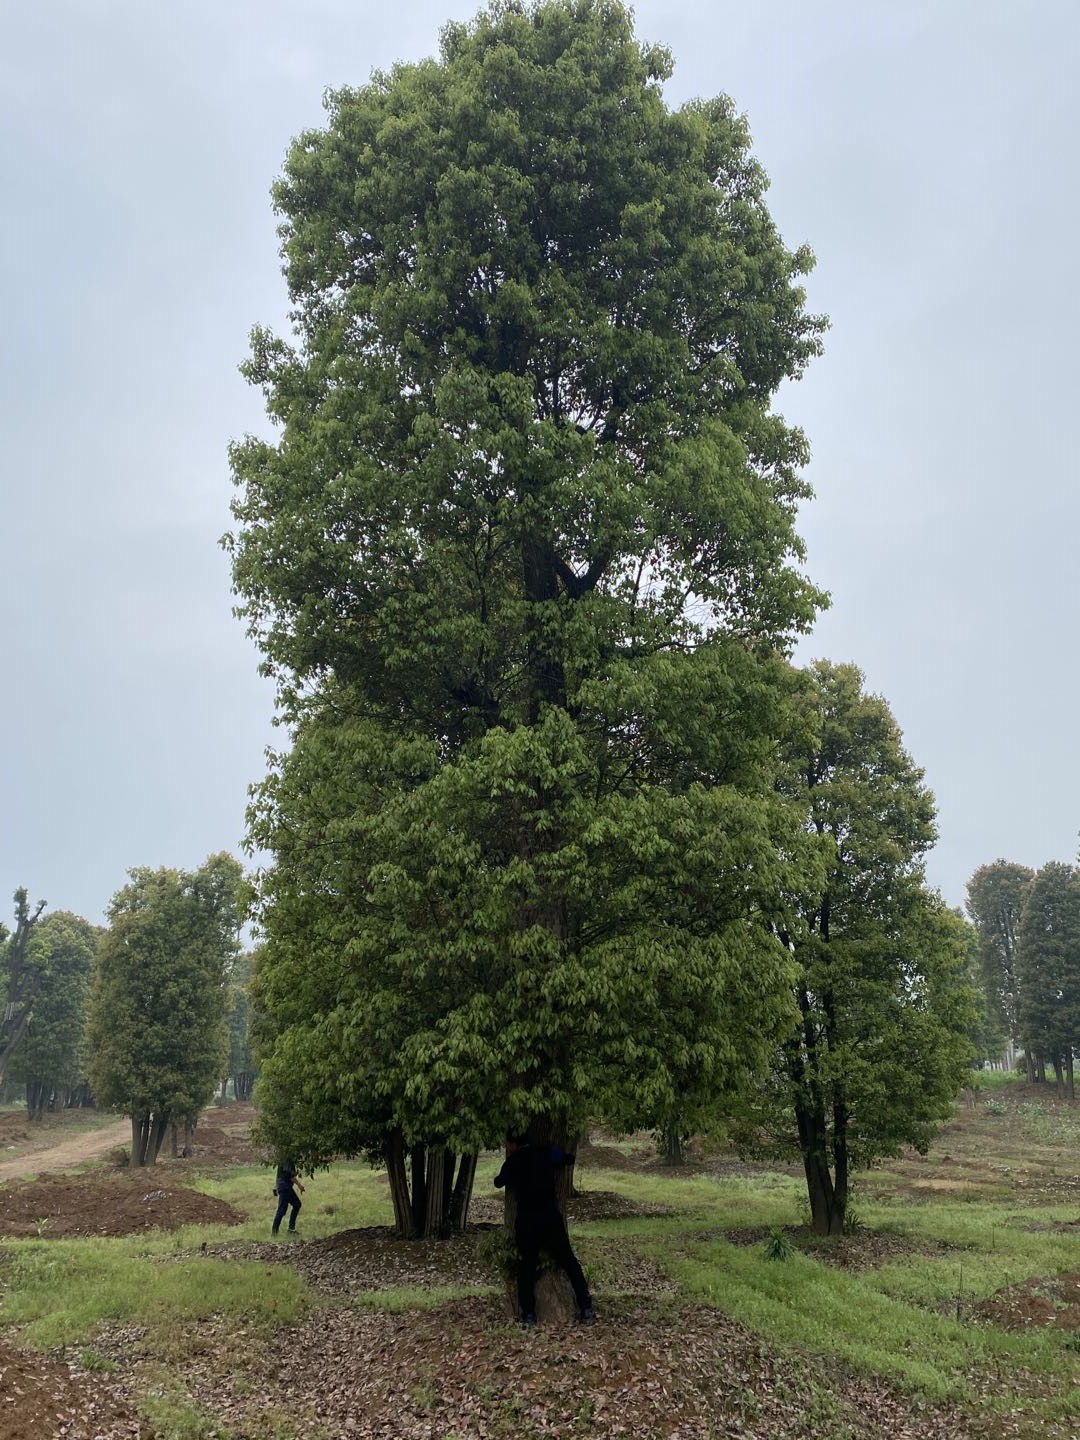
(1027, 924)
(149, 1015)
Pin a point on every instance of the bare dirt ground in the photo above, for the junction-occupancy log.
(124, 1203)
(54, 1147)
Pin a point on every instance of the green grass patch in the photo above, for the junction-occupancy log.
(57, 1292)
(350, 1196)
(804, 1305)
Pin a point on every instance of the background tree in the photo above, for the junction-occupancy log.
(21, 977)
(242, 1068)
(49, 1062)
(884, 1005)
(523, 560)
(995, 900)
(1047, 970)
(156, 1027)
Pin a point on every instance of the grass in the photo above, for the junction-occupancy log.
(58, 1292)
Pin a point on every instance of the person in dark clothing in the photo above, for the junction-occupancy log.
(285, 1187)
(530, 1173)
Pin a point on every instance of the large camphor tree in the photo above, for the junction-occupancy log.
(522, 559)
(156, 1029)
(885, 1004)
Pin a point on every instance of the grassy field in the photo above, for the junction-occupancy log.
(955, 1288)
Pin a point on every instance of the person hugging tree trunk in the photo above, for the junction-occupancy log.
(530, 1173)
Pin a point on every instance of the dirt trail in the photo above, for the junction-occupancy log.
(68, 1152)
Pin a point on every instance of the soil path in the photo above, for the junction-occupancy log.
(68, 1153)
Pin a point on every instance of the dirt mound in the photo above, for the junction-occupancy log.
(41, 1399)
(122, 1203)
(372, 1259)
(1044, 1300)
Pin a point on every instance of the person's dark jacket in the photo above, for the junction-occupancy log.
(531, 1176)
(286, 1179)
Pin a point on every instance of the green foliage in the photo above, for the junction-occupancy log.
(523, 561)
(883, 989)
(241, 1064)
(61, 951)
(995, 901)
(1048, 963)
(156, 1028)
(777, 1245)
(58, 1291)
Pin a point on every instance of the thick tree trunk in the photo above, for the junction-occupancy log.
(555, 1302)
(140, 1129)
(158, 1126)
(1029, 1061)
(672, 1143)
(1069, 1075)
(189, 1139)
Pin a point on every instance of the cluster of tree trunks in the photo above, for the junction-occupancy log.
(148, 1132)
(430, 1187)
(43, 1097)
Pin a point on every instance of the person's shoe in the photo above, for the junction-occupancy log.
(273, 1233)
(528, 1322)
(588, 1315)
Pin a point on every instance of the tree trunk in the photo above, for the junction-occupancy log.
(436, 1191)
(418, 1173)
(1029, 1062)
(461, 1194)
(174, 1140)
(672, 1141)
(140, 1129)
(1069, 1075)
(404, 1224)
(828, 1200)
(189, 1139)
(555, 1302)
(158, 1126)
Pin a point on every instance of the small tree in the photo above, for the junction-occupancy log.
(156, 1027)
(49, 1060)
(995, 902)
(884, 1005)
(1048, 971)
(242, 1068)
(22, 978)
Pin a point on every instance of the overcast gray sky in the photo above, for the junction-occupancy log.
(926, 149)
